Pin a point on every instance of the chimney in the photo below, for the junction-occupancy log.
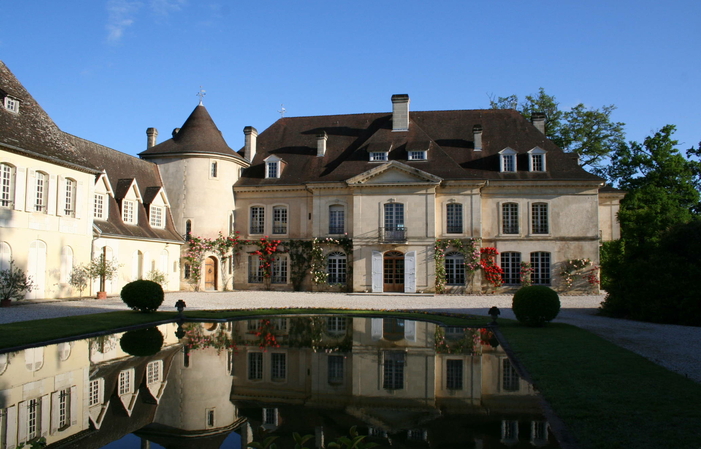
(249, 149)
(175, 132)
(321, 139)
(400, 112)
(477, 137)
(151, 134)
(538, 120)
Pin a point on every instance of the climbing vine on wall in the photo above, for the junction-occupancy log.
(574, 268)
(469, 248)
(266, 252)
(222, 246)
(492, 270)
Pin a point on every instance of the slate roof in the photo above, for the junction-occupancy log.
(31, 131)
(198, 134)
(122, 169)
(447, 135)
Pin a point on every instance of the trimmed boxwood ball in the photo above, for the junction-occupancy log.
(143, 295)
(535, 305)
(142, 342)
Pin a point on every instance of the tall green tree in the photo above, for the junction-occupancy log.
(586, 131)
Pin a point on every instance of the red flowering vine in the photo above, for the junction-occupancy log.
(492, 270)
(265, 335)
(266, 254)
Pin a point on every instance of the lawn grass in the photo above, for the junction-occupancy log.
(607, 396)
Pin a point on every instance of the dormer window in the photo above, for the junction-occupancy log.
(536, 159)
(508, 160)
(156, 218)
(11, 104)
(129, 212)
(378, 156)
(417, 155)
(273, 167)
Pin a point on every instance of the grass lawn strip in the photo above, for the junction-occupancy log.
(608, 397)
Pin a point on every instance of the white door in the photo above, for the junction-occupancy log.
(410, 272)
(36, 268)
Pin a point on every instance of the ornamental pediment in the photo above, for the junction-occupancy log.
(393, 173)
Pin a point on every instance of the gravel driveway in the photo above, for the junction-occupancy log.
(677, 348)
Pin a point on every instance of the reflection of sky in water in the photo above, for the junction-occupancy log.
(398, 381)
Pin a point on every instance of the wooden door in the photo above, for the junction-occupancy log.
(210, 274)
(393, 271)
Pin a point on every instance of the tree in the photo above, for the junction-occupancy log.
(14, 283)
(79, 278)
(588, 132)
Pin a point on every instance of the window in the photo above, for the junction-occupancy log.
(279, 220)
(394, 222)
(211, 418)
(257, 220)
(156, 216)
(417, 155)
(279, 324)
(536, 160)
(454, 218)
(455, 268)
(279, 270)
(394, 370)
(66, 264)
(186, 271)
(540, 262)
(12, 104)
(41, 192)
(378, 156)
(64, 408)
(98, 210)
(129, 212)
(539, 218)
(508, 160)
(278, 366)
(453, 373)
(270, 416)
(511, 264)
(188, 230)
(336, 219)
(509, 376)
(95, 392)
(126, 382)
(70, 193)
(33, 414)
(255, 270)
(255, 365)
(335, 369)
(272, 169)
(213, 169)
(336, 268)
(154, 372)
(7, 185)
(336, 324)
(509, 218)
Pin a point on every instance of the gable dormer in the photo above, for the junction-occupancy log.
(129, 196)
(273, 166)
(101, 197)
(157, 201)
(536, 160)
(507, 160)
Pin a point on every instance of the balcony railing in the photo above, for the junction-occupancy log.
(393, 234)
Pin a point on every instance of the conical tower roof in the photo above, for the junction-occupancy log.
(198, 134)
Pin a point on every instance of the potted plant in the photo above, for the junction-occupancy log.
(14, 284)
(104, 270)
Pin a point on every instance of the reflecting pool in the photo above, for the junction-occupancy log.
(226, 384)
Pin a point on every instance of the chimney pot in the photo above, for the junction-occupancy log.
(400, 112)
(250, 140)
(477, 134)
(538, 120)
(176, 131)
(321, 139)
(151, 134)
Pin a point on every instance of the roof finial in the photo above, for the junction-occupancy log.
(282, 111)
(201, 94)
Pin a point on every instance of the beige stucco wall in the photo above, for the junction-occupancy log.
(609, 204)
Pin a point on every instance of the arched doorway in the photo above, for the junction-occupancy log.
(393, 271)
(210, 273)
(36, 268)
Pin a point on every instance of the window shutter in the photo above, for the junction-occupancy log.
(54, 412)
(376, 328)
(51, 198)
(79, 203)
(11, 427)
(410, 330)
(31, 190)
(376, 272)
(60, 196)
(22, 421)
(410, 272)
(20, 187)
(74, 405)
(45, 415)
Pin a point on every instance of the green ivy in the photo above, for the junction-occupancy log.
(469, 248)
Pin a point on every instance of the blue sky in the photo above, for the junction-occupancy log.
(107, 70)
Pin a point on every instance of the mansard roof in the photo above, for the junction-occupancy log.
(198, 134)
(446, 135)
(30, 131)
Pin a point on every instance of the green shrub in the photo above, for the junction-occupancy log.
(143, 295)
(142, 342)
(536, 305)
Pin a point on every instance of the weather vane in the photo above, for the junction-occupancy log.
(201, 94)
(282, 111)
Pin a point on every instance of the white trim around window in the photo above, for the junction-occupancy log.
(507, 160)
(129, 212)
(536, 160)
(157, 216)
(379, 156)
